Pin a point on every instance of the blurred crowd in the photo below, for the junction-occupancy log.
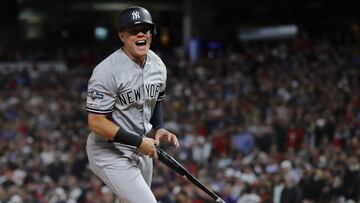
(270, 123)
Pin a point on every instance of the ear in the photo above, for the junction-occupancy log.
(121, 36)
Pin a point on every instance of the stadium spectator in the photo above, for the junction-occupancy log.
(299, 105)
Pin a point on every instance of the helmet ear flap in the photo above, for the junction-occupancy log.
(154, 32)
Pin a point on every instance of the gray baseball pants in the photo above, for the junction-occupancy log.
(125, 172)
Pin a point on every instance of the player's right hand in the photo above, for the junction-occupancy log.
(147, 147)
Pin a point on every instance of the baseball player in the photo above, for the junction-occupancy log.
(124, 103)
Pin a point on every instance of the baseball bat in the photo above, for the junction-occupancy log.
(178, 168)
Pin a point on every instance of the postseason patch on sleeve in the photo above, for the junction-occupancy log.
(95, 94)
(99, 102)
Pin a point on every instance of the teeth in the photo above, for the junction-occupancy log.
(140, 42)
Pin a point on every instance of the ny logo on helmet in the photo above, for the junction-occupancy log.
(135, 15)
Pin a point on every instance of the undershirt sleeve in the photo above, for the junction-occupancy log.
(157, 120)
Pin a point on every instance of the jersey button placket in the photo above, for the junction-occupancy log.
(143, 99)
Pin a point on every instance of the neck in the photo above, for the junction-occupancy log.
(138, 60)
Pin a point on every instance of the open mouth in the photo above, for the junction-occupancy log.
(140, 43)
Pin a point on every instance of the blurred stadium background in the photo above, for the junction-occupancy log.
(264, 96)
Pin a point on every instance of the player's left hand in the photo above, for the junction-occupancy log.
(163, 134)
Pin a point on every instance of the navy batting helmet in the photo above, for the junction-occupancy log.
(133, 16)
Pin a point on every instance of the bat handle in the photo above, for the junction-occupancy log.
(219, 200)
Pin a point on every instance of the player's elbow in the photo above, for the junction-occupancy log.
(91, 123)
(94, 121)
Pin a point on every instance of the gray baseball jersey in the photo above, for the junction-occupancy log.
(127, 93)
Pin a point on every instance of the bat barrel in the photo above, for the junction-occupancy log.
(173, 164)
(196, 182)
(219, 200)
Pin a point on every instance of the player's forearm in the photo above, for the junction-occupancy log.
(157, 120)
(100, 125)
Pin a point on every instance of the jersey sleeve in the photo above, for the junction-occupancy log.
(101, 93)
(161, 96)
